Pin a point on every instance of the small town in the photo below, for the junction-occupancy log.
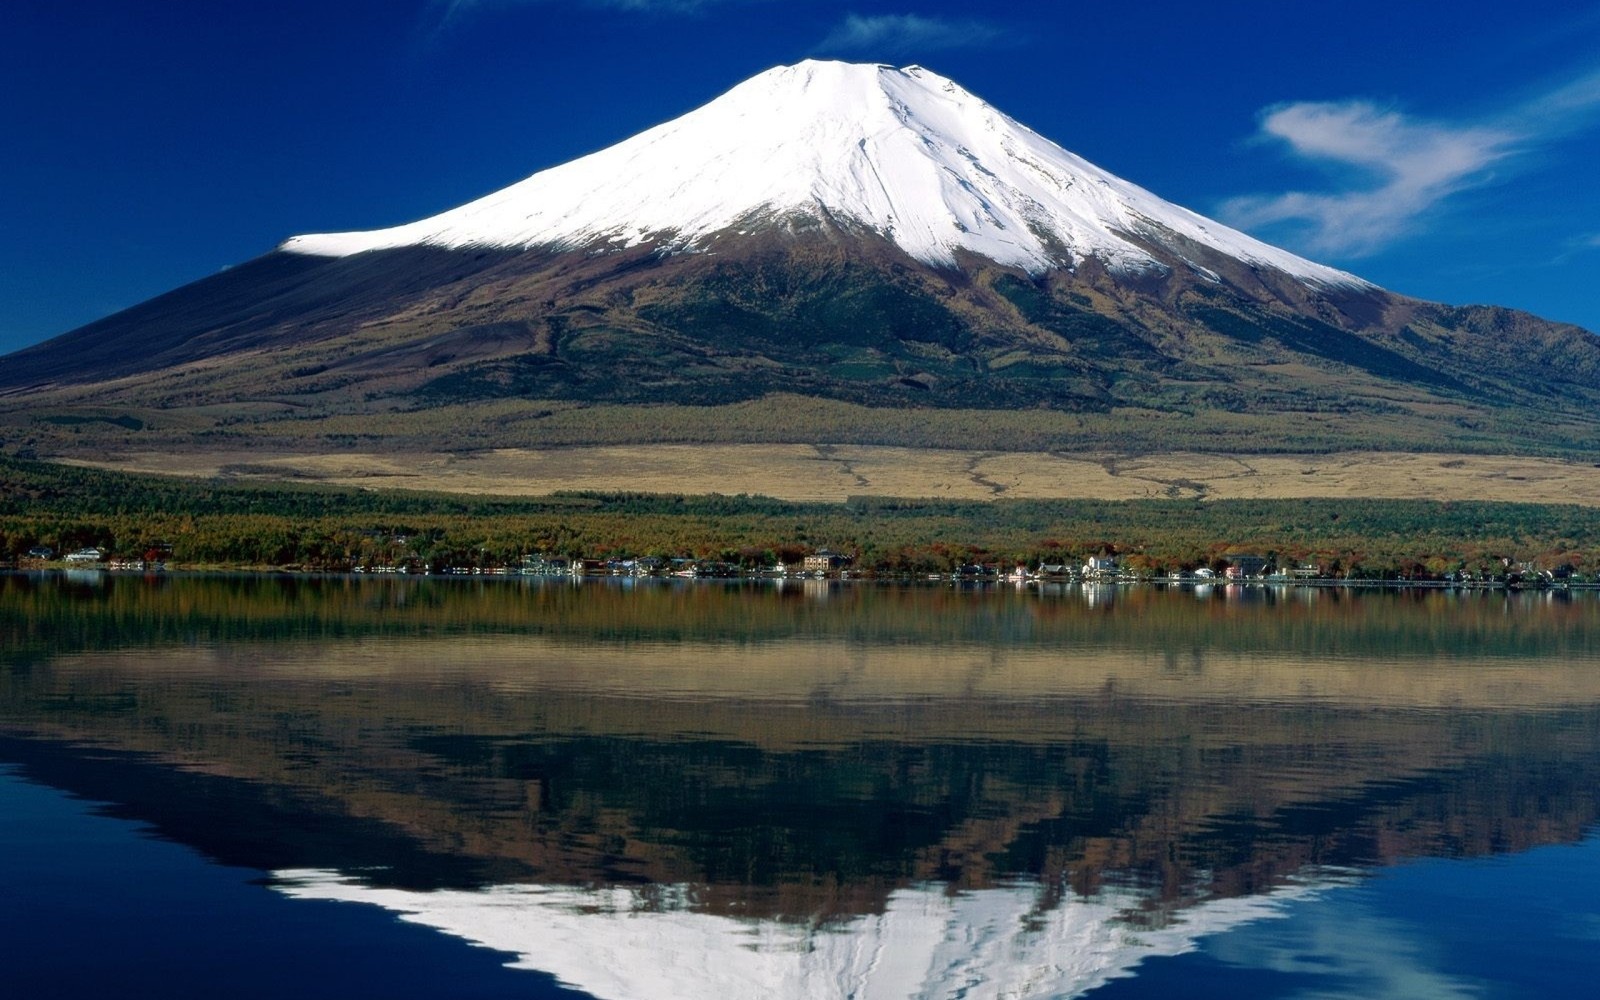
(1235, 569)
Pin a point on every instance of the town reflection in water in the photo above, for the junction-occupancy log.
(811, 790)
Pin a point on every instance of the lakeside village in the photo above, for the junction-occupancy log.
(1239, 568)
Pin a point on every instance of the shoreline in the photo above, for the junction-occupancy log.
(928, 581)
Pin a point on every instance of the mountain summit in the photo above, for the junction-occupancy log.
(826, 253)
(905, 153)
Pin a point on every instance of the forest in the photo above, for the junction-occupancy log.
(220, 524)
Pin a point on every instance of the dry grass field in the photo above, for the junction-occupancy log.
(834, 472)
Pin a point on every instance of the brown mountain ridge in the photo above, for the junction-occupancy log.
(824, 315)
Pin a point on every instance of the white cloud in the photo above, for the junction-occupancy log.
(899, 34)
(1400, 167)
(1415, 166)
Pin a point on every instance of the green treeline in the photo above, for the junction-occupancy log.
(318, 527)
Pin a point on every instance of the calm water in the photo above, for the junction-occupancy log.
(260, 787)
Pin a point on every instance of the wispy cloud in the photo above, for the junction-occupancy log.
(1399, 168)
(901, 34)
(1576, 246)
(1575, 99)
(1414, 165)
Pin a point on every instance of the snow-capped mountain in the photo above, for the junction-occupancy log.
(905, 153)
(863, 237)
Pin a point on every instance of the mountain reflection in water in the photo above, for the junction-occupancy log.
(925, 942)
(679, 790)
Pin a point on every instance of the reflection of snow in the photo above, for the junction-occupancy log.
(621, 944)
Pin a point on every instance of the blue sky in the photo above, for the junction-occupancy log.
(1449, 151)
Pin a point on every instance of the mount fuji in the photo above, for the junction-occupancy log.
(902, 153)
(830, 239)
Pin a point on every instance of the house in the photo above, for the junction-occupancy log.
(589, 567)
(643, 566)
(538, 565)
(1100, 567)
(825, 561)
(1243, 567)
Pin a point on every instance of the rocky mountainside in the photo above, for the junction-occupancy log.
(853, 234)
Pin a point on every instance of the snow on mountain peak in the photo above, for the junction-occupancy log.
(905, 153)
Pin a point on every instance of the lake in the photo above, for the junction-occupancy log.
(260, 786)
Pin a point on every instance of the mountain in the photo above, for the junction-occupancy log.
(904, 154)
(823, 243)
